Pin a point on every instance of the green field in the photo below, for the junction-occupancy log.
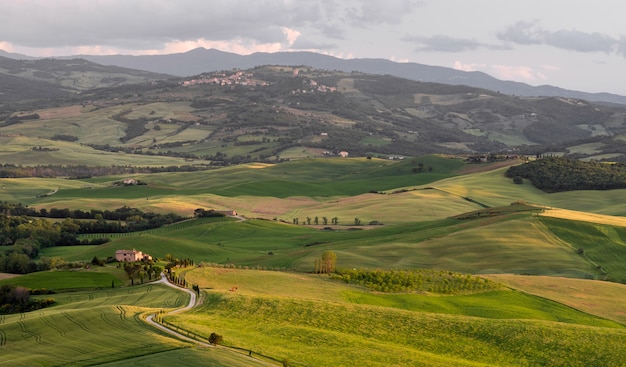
(476, 223)
(354, 327)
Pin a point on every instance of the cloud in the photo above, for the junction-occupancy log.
(621, 46)
(149, 25)
(523, 33)
(445, 43)
(306, 44)
(366, 13)
(530, 33)
(507, 72)
(514, 72)
(458, 65)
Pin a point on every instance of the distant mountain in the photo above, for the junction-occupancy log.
(201, 60)
(52, 78)
(16, 56)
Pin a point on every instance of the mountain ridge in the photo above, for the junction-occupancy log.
(201, 60)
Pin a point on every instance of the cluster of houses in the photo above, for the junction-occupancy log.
(237, 78)
(311, 86)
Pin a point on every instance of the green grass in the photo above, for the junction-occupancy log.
(517, 306)
(510, 243)
(18, 151)
(90, 327)
(604, 245)
(70, 279)
(501, 328)
(188, 357)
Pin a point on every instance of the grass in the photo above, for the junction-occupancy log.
(400, 330)
(188, 357)
(595, 297)
(515, 242)
(63, 280)
(311, 320)
(89, 327)
(17, 150)
(603, 245)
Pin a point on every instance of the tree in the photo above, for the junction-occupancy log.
(215, 339)
(329, 260)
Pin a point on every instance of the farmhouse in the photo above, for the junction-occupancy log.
(131, 255)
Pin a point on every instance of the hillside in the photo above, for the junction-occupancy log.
(309, 164)
(201, 60)
(34, 79)
(276, 113)
(447, 225)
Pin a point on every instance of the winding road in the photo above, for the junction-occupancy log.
(192, 302)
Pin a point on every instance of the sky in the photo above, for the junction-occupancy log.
(573, 44)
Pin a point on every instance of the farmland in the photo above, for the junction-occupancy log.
(407, 220)
(441, 259)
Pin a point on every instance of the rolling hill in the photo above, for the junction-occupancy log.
(38, 79)
(268, 114)
(266, 142)
(201, 60)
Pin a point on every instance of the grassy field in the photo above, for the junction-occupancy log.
(595, 297)
(104, 327)
(17, 150)
(434, 220)
(70, 279)
(347, 326)
(89, 327)
(515, 242)
(316, 187)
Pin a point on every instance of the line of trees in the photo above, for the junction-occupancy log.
(9, 170)
(102, 221)
(316, 221)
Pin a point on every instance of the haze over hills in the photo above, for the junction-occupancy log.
(202, 60)
(268, 112)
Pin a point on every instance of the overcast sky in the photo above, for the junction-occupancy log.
(574, 44)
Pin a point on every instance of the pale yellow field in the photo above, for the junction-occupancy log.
(585, 217)
(604, 299)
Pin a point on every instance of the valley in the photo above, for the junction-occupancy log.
(441, 258)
